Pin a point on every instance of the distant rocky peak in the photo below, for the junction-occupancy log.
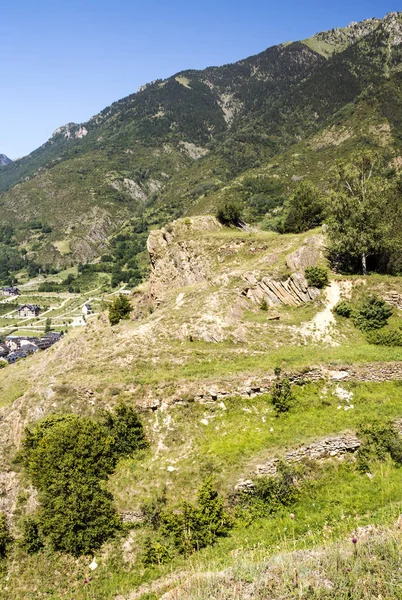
(4, 160)
(70, 131)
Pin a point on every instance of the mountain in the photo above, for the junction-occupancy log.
(4, 160)
(178, 145)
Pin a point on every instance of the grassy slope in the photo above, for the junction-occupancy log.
(128, 363)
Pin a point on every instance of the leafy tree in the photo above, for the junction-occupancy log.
(304, 209)
(356, 208)
(68, 459)
(119, 309)
(48, 325)
(229, 213)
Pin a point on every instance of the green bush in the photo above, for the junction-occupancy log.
(195, 527)
(68, 459)
(385, 337)
(272, 493)
(264, 305)
(282, 397)
(379, 440)
(119, 309)
(343, 309)
(32, 540)
(372, 313)
(229, 213)
(317, 277)
(126, 429)
(155, 552)
(5, 537)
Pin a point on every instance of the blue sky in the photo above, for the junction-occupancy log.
(64, 60)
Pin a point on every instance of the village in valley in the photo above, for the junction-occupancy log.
(32, 321)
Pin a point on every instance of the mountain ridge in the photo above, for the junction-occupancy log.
(4, 160)
(134, 159)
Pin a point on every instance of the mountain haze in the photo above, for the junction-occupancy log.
(178, 144)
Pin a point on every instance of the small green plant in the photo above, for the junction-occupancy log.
(119, 309)
(195, 527)
(5, 537)
(229, 213)
(32, 540)
(385, 337)
(317, 277)
(282, 396)
(264, 305)
(343, 309)
(155, 552)
(270, 493)
(379, 440)
(372, 313)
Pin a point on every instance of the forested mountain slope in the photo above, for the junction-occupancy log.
(156, 153)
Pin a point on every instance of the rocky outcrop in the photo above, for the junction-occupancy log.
(4, 160)
(330, 447)
(292, 292)
(175, 257)
(394, 299)
(251, 388)
(308, 255)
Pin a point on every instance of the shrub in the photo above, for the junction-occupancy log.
(155, 552)
(385, 337)
(343, 309)
(282, 397)
(264, 305)
(379, 440)
(229, 213)
(68, 458)
(272, 493)
(195, 527)
(32, 540)
(119, 309)
(5, 537)
(317, 277)
(126, 429)
(372, 313)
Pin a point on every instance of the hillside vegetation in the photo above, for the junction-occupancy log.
(226, 421)
(230, 366)
(179, 144)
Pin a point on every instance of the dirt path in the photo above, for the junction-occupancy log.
(320, 328)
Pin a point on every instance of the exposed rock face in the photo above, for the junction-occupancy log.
(292, 292)
(308, 255)
(394, 299)
(329, 447)
(177, 262)
(4, 160)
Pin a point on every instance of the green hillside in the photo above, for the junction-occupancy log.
(177, 145)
